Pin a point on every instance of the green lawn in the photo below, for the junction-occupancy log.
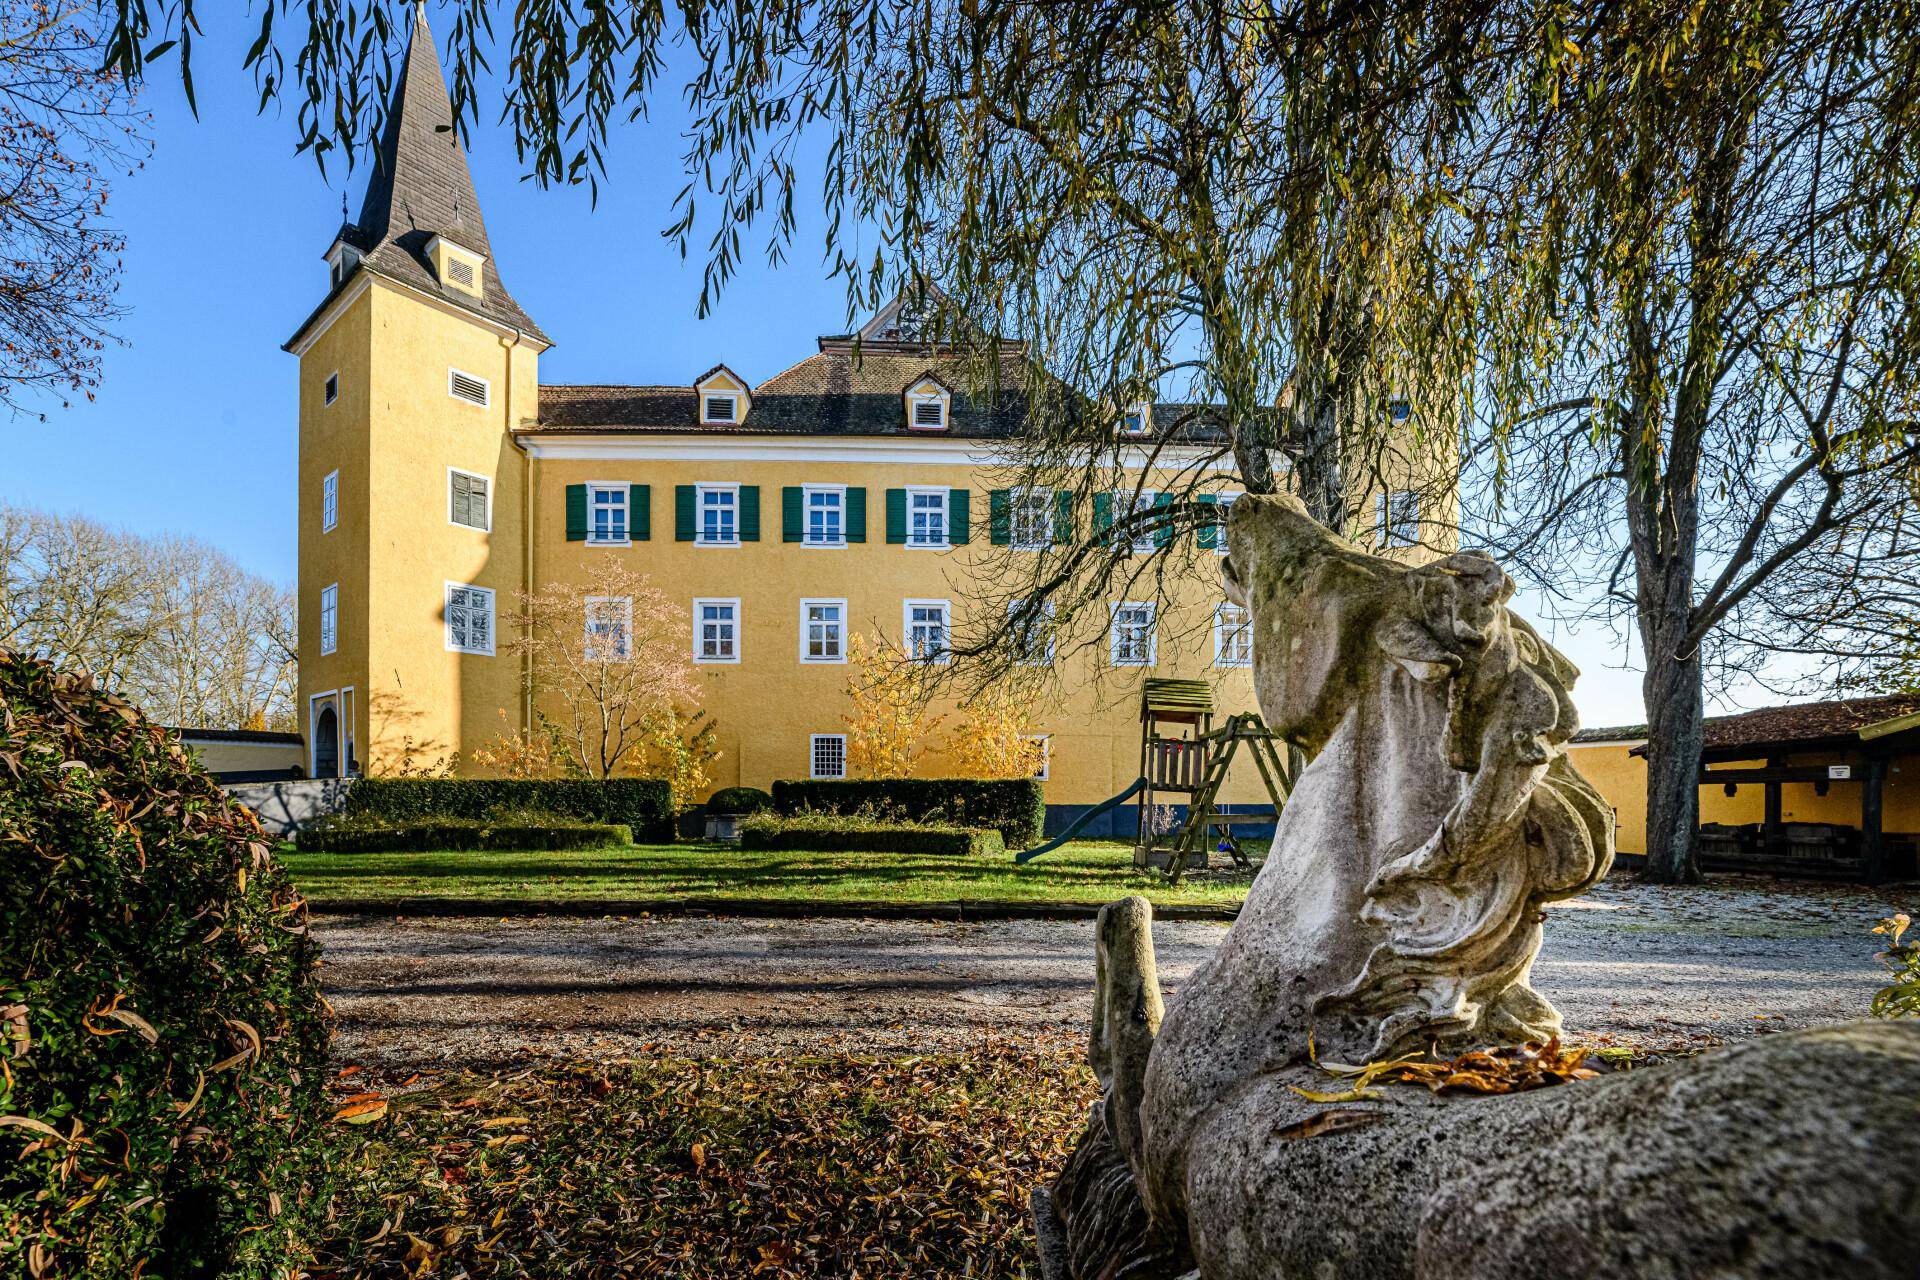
(1089, 873)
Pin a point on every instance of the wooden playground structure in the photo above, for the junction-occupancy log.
(1182, 754)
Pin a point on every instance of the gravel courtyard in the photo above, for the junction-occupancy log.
(1628, 964)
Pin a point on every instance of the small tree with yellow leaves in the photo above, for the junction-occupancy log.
(995, 738)
(889, 726)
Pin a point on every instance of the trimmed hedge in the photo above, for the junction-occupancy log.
(738, 801)
(827, 834)
(360, 836)
(1016, 807)
(162, 1038)
(643, 805)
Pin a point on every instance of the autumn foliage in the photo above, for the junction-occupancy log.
(889, 726)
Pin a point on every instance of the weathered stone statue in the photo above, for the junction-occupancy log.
(1398, 911)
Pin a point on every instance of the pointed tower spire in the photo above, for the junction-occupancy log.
(420, 188)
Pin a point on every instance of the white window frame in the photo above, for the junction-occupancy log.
(1142, 411)
(805, 622)
(330, 501)
(939, 399)
(698, 638)
(1383, 509)
(625, 614)
(707, 398)
(1153, 633)
(486, 388)
(624, 492)
(493, 620)
(330, 387)
(1048, 613)
(1225, 502)
(806, 516)
(329, 618)
(471, 475)
(946, 516)
(700, 492)
(1222, 632)
(906, 630)
(1046, 754)
(1022, 499)
(1140, 544)
(813, 754)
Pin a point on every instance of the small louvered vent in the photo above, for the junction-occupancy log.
(929, 413)
(464, 386)
(720, 408)
(460, 272)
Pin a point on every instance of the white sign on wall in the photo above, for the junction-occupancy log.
(1840, 771)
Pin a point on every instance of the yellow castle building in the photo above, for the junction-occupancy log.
(860, 490)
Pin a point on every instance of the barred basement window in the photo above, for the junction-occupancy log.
(464, 386)
(829, 756)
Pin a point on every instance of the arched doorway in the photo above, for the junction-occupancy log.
(326, 744)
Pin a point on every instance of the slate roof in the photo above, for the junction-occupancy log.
(1801, 724)
(420, 187)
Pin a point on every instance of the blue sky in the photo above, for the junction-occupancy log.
(193, 430)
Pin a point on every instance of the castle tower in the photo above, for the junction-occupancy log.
(414, 371)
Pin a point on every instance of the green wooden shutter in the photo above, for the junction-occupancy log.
(1000, 517)
(576, 513)
(683, 499)
(793, 526)
(856, 515)
(639, 512)
(959, 517)
(897, 515)
(1209, 534)
(1102, 515)
(1062, 517)
(749, 513)
(1163, 516)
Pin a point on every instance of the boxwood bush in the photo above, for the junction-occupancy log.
(834, 833)
(643, 805)
(359, 834)
(739, 801)
(1016, 807)
(162, 1037)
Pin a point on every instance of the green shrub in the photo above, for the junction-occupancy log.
(739, 801)
(546, 832)
(840, 833)
(1016, 807)
(1901, 997)
(162, 1037)
(643, 805)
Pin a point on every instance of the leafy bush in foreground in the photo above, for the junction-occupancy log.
(359, 834)
(162, 1036)
(644, 805)
(1016, 807)
(1901, 997)
(836, 833)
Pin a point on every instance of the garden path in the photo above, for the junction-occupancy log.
(1664, 968)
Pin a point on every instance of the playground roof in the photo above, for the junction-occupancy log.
(1170, 699)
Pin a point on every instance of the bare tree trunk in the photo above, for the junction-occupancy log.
(1675, 735)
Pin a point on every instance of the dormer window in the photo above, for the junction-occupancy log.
(928, 405)
(1137, 420)
(456, 266)
(723, 397)
(341, 260)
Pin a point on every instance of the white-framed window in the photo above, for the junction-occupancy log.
(1142, 542)
(717, 515)
(827, 755)
(329, 618)
(1032, 640)
(1132, 642)
(469, 499)
(332, 387)
(1398, 514)
(1224, 503)
(927, 517)
(1046, 754)
(716, 630)
(1137, 420)
(462, 385)
(469, 618)
(609, 628)
(607, 515)
(823, 631)
(824, 511)
(720, 408)
(1030, 519)
(329, 501)
(1232, 636)
(927, 627)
